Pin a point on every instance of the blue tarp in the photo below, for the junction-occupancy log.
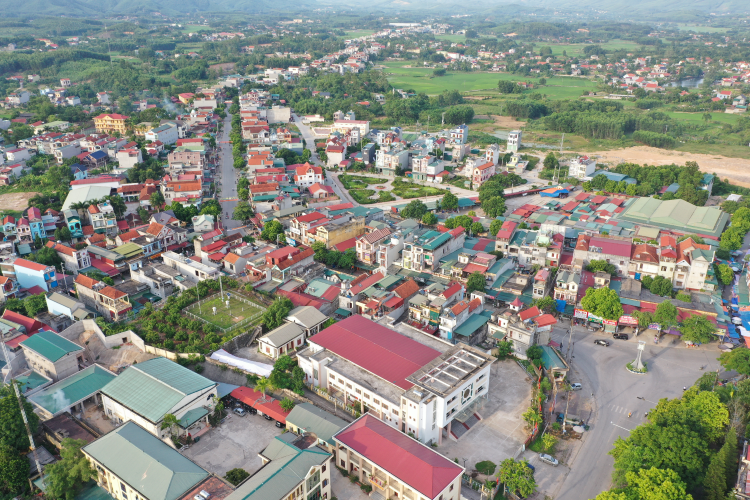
(560, 305)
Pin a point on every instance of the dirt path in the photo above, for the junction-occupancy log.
(735, 169)
(16, 201)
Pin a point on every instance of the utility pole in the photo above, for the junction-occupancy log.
(570, 342)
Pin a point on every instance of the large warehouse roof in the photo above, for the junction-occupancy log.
(678, 215)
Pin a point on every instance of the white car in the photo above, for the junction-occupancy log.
(548, 459)
(576, 386)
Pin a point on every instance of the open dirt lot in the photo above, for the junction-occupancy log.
(507, 122)
(16, 201)
(735, 169)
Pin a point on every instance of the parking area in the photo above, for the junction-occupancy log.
(501, 432)
(235, 443)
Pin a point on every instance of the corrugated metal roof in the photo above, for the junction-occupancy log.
(59, 397)
(50, 345)
(147, 464)
(313, 419)
(154, 387)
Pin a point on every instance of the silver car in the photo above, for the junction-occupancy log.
(548, 459)
(575, 386)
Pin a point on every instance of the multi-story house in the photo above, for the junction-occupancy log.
(644, 261)
(129, 157)
(306, 175)
(615, 250)
(581, 167)
(542, 283)
(505, 235)
(531, 248)
(166, 134)
(334, 233)
(23, 231)
(157, 277)
(108, 301)
(388, 158)
(103, 219)
(111, 123)
(567, 281)
(30, 274)
(368, 245)
(459, 134)
(36, 223)
(692, 265)
(73, 260)
(9, 226)
(453, 317)
(187, 158)
(185, 192)
(425, 167)
(482, 173)
(514, 141)
(425, 252)
(426, 307)
(493, 154)
(524, 329)
(190, 269)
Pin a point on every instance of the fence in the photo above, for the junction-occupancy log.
(477, 486)
(338, 404)
(235, 296)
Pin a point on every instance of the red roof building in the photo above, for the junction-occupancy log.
(406, 460)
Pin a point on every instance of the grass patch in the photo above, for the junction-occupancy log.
(224, 318)
(408, 190)
(359, 181)
(633, 369)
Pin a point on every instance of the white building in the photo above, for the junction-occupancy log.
(514, 141)
(167, 134)
(581, 167)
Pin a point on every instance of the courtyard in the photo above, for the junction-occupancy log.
(233, 444)
(226, 317)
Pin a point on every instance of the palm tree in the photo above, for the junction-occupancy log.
(169, 422)
(262, 384)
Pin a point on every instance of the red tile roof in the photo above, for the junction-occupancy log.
(545, 320)
(375, 348)
(376, 235)
(346, 244)
(31, 325)
(532, 312)
(453, 289)
(407, 289)
(645, 253)
(364, 281)
(340, 206)
(311, 217)
(611, 247)
(30, 265)
(414, 463)
(308, 252)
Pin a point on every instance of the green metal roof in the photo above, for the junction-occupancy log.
(50, 345)
(31, 381)
(146, 463)
(129, 249)
(152, 388)
(192, 416)
(551, 359)
(58, 397)
(313, 419)
(471, 325)
(288, 467)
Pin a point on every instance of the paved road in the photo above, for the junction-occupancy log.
(602, 372)
(227, 174)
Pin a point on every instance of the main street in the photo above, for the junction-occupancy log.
(602, 372)
(227, 176)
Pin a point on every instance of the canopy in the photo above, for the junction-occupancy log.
(261, 369)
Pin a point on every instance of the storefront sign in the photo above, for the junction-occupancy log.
(580, 313)
(609, 322)
(654, 326)
(628, 320)
(594, 319)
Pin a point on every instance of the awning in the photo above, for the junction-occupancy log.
(366, 267)
(155, 256)
(343, 312)
(105, 268)
(372, 304)
(192, 416)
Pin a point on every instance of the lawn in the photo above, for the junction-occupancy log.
(359, 181)
(451, 38)
(357, 33)
(701, 29)
(576, 49)
(224, 318)
(408, 190)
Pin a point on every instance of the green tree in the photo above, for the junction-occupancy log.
(724, 273)
(729, 450)
(211, 207)
(35, 304)
(47, 256)
(169, 422)
(476, 281)
(298, 380)
(449, 202)
(476, 228)
(236, 476)
(517, 477)
(263, 384)
(550, 161)
(414, 210)
(504, 349)
(731, 239)
(118, 205)
(68, 475)
(601, 265)
(429, 219)
(157, 200)
(287, 404)
(737, 360)
(14, 471)
(602, 302)
(494, 207)
(277, 312)
(715, 481)
(12, 429)
(63, 234)
(243, 211)
(546, 304)
(272, 230)
(495, 227)
(666, 315)
(697, 329)
(532, 416)
(548, 440)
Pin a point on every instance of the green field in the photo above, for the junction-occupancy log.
(194, 28)
(576, 49)
(224, 318)
(451, 38)
(701, 29)
(357, 33)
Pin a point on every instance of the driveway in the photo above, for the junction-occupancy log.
(227, 175)
(234, 444)
(616, 393)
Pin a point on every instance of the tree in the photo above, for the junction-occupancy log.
(414, 210)
(272, 230)
(495, 227)
(494, 207)
(35, 304)
(707, 117)
(286, 404)
(449, 202)
(242, 211)
(666, 315)
(550, 161)
(262, 385)
(504, 349)
(12, 428)
(476, 228)
(737, 360)
(546, 304)
(724, 273)
(731, 239)
(716, 478)
(429, 219)
(347, 259)
(243, 194)
(211, 207)
(169, 422)
(697, 329)
(236, 476)
(517, 477)
(47, 256)
(277, 312)
(14, 471)
(548, 440)
(729, 450)
(532, 417)
(70, 473)
(118, 205)
(602, 302)
(157, 200)
(475, 282)
(63, 234)
(298, 380)
(601, 265)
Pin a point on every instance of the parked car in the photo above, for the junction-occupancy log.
(560, 418)
(279, 424)
(601, 342)
(576, 386)
(239, 411)
(620, 336)
(267, 417)
(548, 459)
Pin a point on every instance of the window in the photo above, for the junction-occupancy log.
(451, 488)
(357, 391)
(343, 463)
(395, 411)
(123, 488)
(325, 483)
(324, 469)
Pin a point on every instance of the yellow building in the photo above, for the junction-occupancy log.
(110, 123)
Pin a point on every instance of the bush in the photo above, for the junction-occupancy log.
(367, 488)
(683, 297)
(654, 139)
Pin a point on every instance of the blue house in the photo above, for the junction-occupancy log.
(34, 215)
(30, 274)
(74, 223)
(9, 226)
(79, 172)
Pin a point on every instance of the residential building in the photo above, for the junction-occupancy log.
(333, 233)
(459, 314)
(23, 231)
(692, 265)
(157, 277)
(567, 282)
(111, 123)
(394, 464)
(306, 175)
(482, 173)
(369, 243)
(146, 392)
(525, 329)
(203, 223)
(166, 134)
(193, 271)
(425, 167)
(307, 419)
(581, 167)
(103, 219)
(615, 250)
(335, 155)
(30, 274)
(282, 340)
(493, 154)
(514, 141)
(73, 260)
(108, 301)
(389, 158)
(425, 252)
(542, 283)
(128, 158)
(459, 134)
(63, 305)
(131, 464)
(52, 355)
(36, 223)
(644, 261)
